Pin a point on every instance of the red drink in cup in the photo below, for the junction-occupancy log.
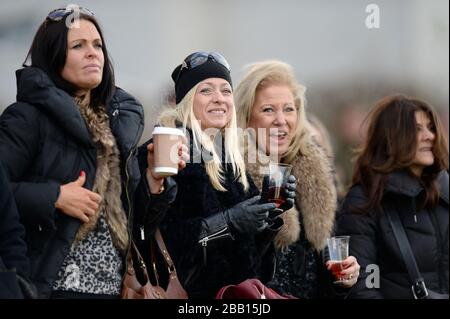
(336, 268)
(278, 176)
(276, 195)
(338, 251)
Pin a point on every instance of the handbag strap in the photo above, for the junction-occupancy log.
(418, 285)
(162, 247)
(134, 251)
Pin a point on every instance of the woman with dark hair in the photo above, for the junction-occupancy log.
(400, 169)
(68, 146)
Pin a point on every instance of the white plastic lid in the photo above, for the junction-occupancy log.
(167, 130)
(166, 171)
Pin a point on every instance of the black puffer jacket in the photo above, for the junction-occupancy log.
(223, 258)
(44, 143)
(13, 251)
(372, 241)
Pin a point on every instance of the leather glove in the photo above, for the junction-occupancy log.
(289, 193)
(248, 217)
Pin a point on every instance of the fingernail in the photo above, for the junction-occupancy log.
(82, 173)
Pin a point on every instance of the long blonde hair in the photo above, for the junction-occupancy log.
(184, 113)
(262, 75)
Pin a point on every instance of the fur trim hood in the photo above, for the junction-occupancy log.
(316, 199)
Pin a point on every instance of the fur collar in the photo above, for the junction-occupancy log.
(316, 199)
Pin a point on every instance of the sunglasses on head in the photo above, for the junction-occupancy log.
(58, 14)
(198, 58)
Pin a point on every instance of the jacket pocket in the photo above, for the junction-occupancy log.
(221, 234)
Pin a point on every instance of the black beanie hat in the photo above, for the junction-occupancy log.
(189, 77)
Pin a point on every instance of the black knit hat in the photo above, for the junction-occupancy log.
(186, 77)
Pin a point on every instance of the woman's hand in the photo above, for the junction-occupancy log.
(349, 272)
(76, 201)
(155, 181)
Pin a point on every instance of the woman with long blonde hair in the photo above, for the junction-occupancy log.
(271, 104)
(216, 229)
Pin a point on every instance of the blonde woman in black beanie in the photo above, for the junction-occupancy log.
(216, 228)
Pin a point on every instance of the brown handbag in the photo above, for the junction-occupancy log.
(132, 288)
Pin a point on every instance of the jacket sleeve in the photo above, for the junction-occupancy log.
(150, 208)
(13, 251)
(362, 229)
(19, 146)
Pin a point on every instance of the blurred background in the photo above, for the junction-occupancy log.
(345, 65)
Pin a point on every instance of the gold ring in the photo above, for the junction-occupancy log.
(351, 276)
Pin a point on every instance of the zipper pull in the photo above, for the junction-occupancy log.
(204, 242)
(415, 218)
(142, 233)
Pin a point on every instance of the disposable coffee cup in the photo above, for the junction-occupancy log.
(166, 141)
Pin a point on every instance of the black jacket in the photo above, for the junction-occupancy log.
(13, 250)
(222, 258)
(44, 143)
(372, 241)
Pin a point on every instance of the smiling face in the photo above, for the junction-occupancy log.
(274, 110)
(85, 59)
(425, 143)
(213, 103)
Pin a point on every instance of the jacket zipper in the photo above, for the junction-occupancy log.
(115, 114)
(219, 234)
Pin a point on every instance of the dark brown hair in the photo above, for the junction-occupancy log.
(390, 145)
(49, 52)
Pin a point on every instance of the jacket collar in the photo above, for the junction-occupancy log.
(126, 117)
(35, 87)
(401, 182)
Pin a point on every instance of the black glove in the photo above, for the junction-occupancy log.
(289, 193)
(248, 217)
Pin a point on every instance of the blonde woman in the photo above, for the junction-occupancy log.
(216, 229)
(271, 104)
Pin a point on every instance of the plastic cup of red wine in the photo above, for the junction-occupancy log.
(278, 176)
(338, 250)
